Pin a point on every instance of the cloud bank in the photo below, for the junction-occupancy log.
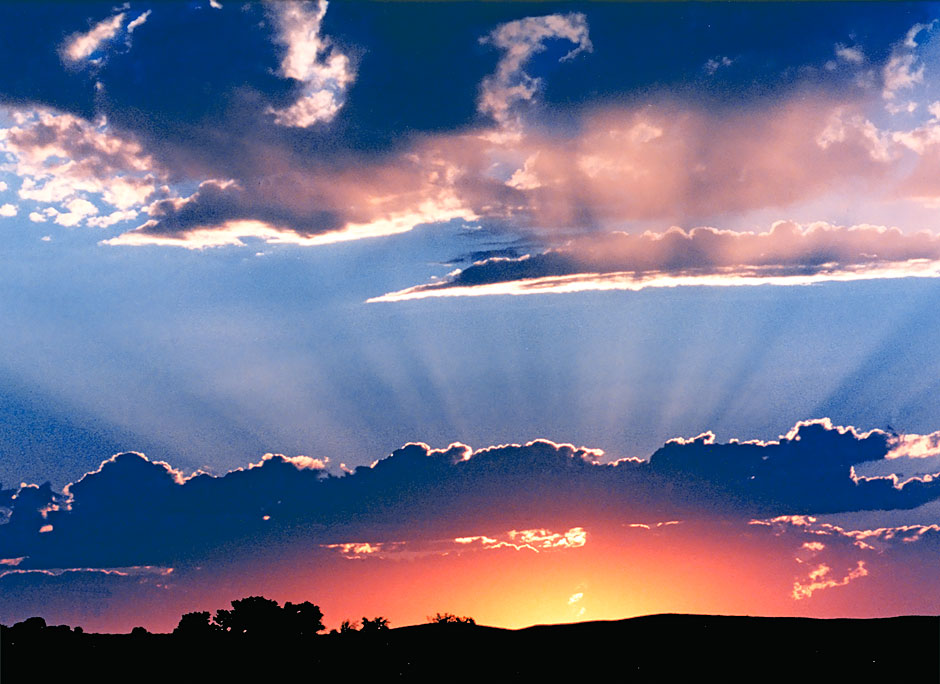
(786, 254)
(262, 143)
(134, 512)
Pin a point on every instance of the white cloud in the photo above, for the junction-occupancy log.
(138, 21)
(901, 72)
(8, 210)
(910, 40)
(112, 218)
(3, 186)
(80, 46)
(519, 40)
(78, 210)
(311, 59)
(851, 54)
(36, 217)
(904, 70)
(908, 107)
(61, 158)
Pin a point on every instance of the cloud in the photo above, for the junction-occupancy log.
(63, 160)
(901, 72)
(80, 46)
(139, 21)
(850, 53)
(534, 540)
(904, 69)
(786, 254)
(8, 210)
(715, 63)
(134, 512)
(223, 212)
(323, 71)
(501, 93)
(275, 122)
(78, 210)
(910, 39)
(820, 578)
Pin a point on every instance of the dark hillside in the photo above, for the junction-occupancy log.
(657, 648)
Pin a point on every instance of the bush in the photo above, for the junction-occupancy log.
(451, 619)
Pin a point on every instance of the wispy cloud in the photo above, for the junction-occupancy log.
(80, 46)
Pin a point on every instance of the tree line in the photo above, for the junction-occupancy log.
(253, 616)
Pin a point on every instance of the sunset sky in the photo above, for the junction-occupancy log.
(532, 312)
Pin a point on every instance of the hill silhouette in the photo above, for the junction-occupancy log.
(655, 648)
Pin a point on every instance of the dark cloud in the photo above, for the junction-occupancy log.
(216, 203)
(628, 261)
(134, 512)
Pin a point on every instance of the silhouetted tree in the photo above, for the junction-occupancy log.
(254, 615)
(30, 625)
(139, 631)
(259, 616)
(376, 624)
(348, 626)
(302, 619)
(195, 624)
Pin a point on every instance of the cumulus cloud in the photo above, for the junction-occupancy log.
(134, 512)
(8, 210)
(64, 160)
(519, 40)
(788, 253)
(324, 72)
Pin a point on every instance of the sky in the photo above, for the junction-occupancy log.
(532, 312)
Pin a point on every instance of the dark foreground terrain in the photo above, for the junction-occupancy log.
(657, 648)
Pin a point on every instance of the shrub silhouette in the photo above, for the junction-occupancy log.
(348, 626)
(451, 619)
